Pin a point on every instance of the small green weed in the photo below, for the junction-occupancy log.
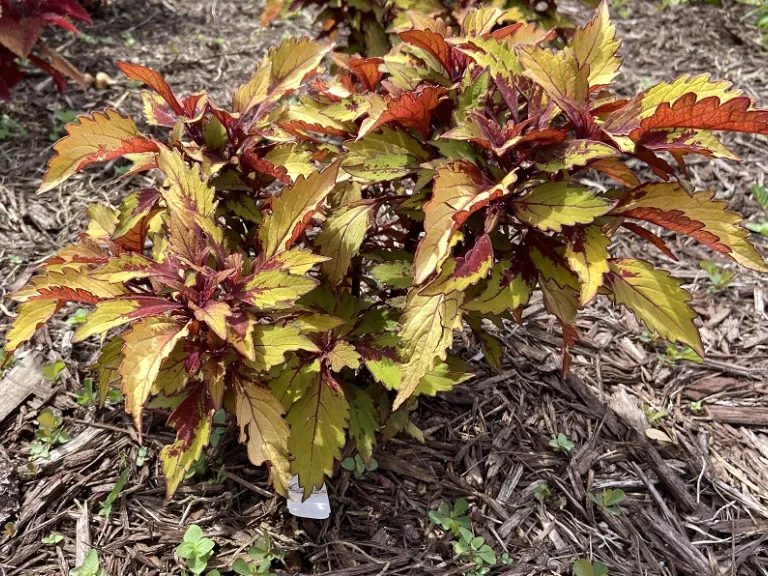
(260, 558)
(587, 568)
(560, 443)
(719, 278)
(47, 435)
(358, 466)
(196, 549)
(609, 500)
(90, 566)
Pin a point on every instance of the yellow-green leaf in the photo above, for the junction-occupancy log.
(595, 46)
(318, 421)
(587, 254)
(291, 62)
(343, 355)
(32, 315)
(555, 204)
(276, 289)
(271, 343)
(293, 209)
(426, 333)
(145, 346)
(262, 426)
(363, 422)
(507, 289)
(254, 92)
(341, 238)
(656, 299)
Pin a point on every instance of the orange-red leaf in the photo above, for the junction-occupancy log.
(710, 113)
(97, 138)
(410, 109)
(154, 80)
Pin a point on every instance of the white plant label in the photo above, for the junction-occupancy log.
(317, 506)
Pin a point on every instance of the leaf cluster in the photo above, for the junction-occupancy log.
(309, 251)
(22, 23)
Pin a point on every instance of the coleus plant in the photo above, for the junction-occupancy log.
(372, 27)
(306, 258)
(22, 23)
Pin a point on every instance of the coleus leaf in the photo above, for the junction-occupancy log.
(318, 421)
(562, 78)
(108, 366)
(291, 62)
(698, 216)
(70, 283)
(31, 316)
(690, 111)
(113, 313)
(273, 289)
(384, 155)
(192, 421)
(293, 378)
(459, 190)
(426, 333)
(342, 355)
(412, 110)
(215, 315)
(577, 153)
(145, 346)
(554, 204)
(464, 271)
(508, 288)
(263, 429)
(444, 377)
(293, 209)
(595, 46)
(655, 298)
(154, 80)
(363, 421)
(96, 138)
(341, 238)
(186, 192)
(272, 343)
(587, 254)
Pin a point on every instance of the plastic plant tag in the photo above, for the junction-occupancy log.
(316, 506)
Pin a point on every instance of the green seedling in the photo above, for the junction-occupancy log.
(141, 457)
(542, 493)
(696, 406)
(473, 549)
(672, 355)
(9, 529)
(10, 128)
(60, 119)
(78, 317)
(51, 371)
(452, 520)
(196, 549)
(90, 566)
(219, 421)
(260, 557)
(358, 466)
(652, 415)
(48, 434)
(106, 505)
(609, 500)
(560, 443)
(587, 568)
(719, 278)
(52, 539)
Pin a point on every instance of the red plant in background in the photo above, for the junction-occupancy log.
(22, 23)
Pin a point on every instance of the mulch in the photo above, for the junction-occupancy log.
(686, 442)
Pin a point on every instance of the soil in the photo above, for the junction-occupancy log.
(687, 443)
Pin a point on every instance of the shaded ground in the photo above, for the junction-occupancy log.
(695, 505)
